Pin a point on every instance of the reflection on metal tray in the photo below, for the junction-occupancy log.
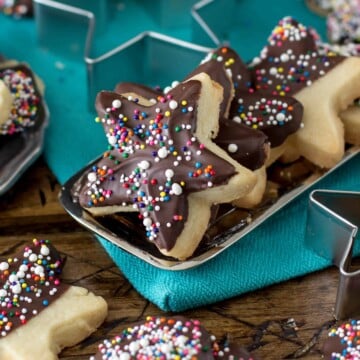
(228, 226)
(19, 151)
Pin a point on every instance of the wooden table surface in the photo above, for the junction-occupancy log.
(285, 321)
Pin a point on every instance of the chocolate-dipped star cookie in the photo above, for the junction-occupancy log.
(275, 116)
(325, 84)
(163, 164)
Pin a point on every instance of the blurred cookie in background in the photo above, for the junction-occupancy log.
(17, 8)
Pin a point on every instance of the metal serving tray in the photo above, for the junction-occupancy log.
(19, 151)
(229, 225)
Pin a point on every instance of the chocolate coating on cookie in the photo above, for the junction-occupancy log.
(244, 144)
(27, 108)
(158, 338)
(155, 161)
(29, 283)
(173, 337)
(226, 68)
(276, 117)
(290, 61)
(343, 342)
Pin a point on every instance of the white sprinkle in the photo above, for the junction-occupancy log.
(91, 177)
(173, 104)
(144, 165)
(4, 266)
(112, 140)
(280, 117)
(116, 104)
(162, 153)
(147, 222)
(284, 57)
(169, 173)
(44, 250)
(232, 148)
(176, 189)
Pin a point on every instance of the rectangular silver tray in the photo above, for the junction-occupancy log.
(229, 225)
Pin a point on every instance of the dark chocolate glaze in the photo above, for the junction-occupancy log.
(256, 111)
(290, 61)
(162, 337)
(277, 117)
(34, 270)
(27, 103)
(159, 337)
(250, 147)
(144, 152)
(344, 341)
(217, 72)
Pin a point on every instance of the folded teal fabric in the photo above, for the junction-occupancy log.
(272, 253)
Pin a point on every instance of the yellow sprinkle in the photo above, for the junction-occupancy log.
(167, 113)
(163, 194)
(183, 102)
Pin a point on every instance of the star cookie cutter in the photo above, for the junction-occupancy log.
(79, 27)
(207, 28)
(331, 230)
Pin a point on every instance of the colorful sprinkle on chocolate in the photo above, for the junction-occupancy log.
(343, 342)
(29, 283)
(158, 338)
(26, 101)
(290, 61)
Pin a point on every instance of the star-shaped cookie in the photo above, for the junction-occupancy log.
(163, 164)
(275, 116)
(325, 84)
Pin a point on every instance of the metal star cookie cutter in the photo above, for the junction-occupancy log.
(79, 27)
(331, 230)
(207, 28)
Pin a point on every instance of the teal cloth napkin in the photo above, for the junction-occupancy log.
(272, 253)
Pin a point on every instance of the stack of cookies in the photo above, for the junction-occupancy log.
(211, 139)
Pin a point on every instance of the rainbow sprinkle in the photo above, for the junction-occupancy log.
(26, 101)
(29, 283)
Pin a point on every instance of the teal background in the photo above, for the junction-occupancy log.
(272, 253)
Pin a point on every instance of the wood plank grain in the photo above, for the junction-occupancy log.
(284, 321)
